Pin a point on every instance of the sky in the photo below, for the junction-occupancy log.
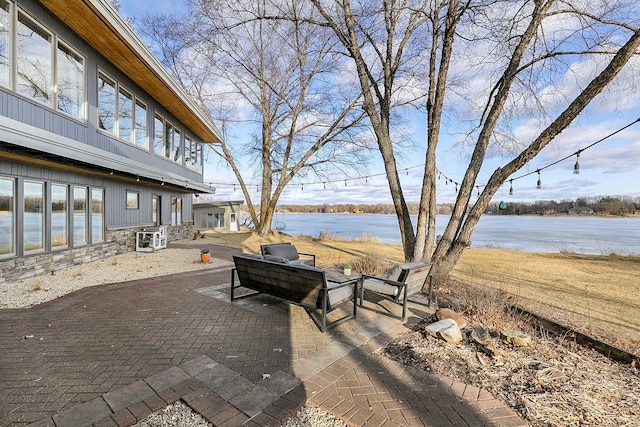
(609, 168)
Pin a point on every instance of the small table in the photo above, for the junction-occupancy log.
(336, 276)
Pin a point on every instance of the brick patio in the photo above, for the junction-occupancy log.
(111, 355)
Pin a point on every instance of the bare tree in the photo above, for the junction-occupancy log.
(521, 52)
(279, 80)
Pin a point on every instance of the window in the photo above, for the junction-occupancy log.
(176, 146)
(168, 140)
(125, 115)
(34, 76)
(192, 154)
(199, 158)
(79, 215)
(33, 216)
(5, 43)
(133, 200)
(218, 220)
(176, 211)
(59, 216)
(106, 104)
(206, 220)
(158, 136)
(36, 64)
(120, 113)
(141, 125)
(7, 216)
(70, 81)
(97, 215)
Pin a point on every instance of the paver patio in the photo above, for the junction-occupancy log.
(111, 355)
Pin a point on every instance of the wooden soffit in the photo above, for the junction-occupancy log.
(99, 24)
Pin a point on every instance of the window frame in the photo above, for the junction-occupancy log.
(134, 101)
(66, 211)
(132, 200)
(13, 224)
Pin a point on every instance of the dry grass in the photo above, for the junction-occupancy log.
(599, 295)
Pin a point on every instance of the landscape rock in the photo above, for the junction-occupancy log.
(480, 336)
(517, 338)
(447, 329)
(447, 313)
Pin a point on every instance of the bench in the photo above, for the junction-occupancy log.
(286, 253)
(401, 282)
(301, 284)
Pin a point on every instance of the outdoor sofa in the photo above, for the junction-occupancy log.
(300, 284)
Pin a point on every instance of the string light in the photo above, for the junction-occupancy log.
(441, 175)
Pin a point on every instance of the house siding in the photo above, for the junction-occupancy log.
(121, 223)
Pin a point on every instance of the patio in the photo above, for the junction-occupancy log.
(110, 355)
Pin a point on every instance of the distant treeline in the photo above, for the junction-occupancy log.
(617, 206)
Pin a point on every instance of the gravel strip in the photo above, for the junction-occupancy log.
(119, 268)
(180, 415)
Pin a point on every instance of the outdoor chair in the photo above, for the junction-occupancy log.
(286, 253)
(401, 282)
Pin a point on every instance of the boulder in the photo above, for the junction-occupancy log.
(447, 313)
(517, 338)
(447, 329)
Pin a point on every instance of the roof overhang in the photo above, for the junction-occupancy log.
(97, 22)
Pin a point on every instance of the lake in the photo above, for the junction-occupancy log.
(547, 234)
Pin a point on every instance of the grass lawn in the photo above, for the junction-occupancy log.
(598, 295)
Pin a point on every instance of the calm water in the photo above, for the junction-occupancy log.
(588, 235)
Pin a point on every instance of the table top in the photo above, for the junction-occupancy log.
(337, 276)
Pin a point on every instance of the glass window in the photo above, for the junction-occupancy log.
(168, 140)
(176, 146)
(5, 43)
(33, 216)
(7, 216)
(59, 216)
(141, 125)
(34, 61)
(158, 136)
(206, 221)
(176, 211)
(133, 200)
(187, 152)
(79, 215)
(97, 215)
(199, 158)
(106, 104)
(125, 115)
(70, 82)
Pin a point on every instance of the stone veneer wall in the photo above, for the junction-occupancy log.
(118, 241)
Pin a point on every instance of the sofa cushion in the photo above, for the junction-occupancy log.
(274, 258)
(285, 251)
(380, 287)
(394, 273)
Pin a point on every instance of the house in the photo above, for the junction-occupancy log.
(217, 215)
(97, 141)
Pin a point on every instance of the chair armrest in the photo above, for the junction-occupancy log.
(305, 254)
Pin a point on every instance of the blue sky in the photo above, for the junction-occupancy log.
(611, 168)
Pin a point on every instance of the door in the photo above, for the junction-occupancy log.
(233, 223)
